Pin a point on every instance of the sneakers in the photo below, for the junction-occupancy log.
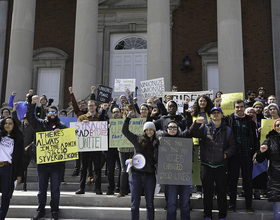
(231, 208)
(110, 192)
(242, 194)
(198, 195)
(38, 216)
(117, 190)
(121, 194)
(98, 192)
(80, 191)
(54, 216)
(250, 210)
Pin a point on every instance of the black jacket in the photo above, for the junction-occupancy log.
(213, 144)
(150, 153)
(273, 172)
(252, 131)
(161, 124)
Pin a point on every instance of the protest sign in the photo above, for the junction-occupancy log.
(116, 137)
(259, 168)
(180, 97)
(66, 120)
(121, 85)
(104, 94)
(152, 88)
(175, 161)
(56, 146)
(228, 100)
(267, 126)
(91, 136)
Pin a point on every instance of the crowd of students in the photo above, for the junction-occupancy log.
(222, 145)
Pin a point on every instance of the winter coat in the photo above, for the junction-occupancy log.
(161, 124)
(213, 143)
(273, 172)
(150, 153)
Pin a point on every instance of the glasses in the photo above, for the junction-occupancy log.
(172, 128)
(116, 112)
(52, 112)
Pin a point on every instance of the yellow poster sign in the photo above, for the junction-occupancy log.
(267, 126)
(228, 100)
(56, 146)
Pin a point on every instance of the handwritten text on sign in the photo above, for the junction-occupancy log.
(116, 137)
(121, 85)
(56, 146)
(91, 136)
(175, 161)
(152, 88)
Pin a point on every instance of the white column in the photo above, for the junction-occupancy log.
(85, 50)
(159, 45)
(230, 46)
(20, 66)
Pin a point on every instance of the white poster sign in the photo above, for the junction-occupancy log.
(152, 88)
(121, 85)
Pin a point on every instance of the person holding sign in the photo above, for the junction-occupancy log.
(52, 171)
(11, 163)
(147, 145)
(216, 146)
(271, 150)
(92, 115)
(172, 191)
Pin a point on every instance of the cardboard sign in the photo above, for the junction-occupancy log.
(152, 88)
(116, 137)
(91, 136)
(56, 146)
(121, 85)
(104, 94)
(267, 126)
(66, 120)
(175, 161)
(180, 97)
(228, 100)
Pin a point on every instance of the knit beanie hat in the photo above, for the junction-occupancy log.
(43, 97)
(274, 105)
(149, 124)
(258, 103)
(274, 124)
(169, 103)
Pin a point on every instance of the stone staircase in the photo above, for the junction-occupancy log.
(91, 206)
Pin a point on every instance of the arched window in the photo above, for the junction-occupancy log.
(132, 43)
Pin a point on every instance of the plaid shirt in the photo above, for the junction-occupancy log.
(241, 136)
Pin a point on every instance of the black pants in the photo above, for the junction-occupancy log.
(209, 176)
(124, 175)
(245, 163)
(112, 158)
(96, 158)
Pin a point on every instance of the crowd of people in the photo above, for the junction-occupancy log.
(222, 146)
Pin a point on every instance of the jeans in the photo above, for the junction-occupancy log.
(44, 173)
(112, 158)
(5, 173)
(172, 192)
(209, 176)
(245, 163)
(148, 180)
(276, 210)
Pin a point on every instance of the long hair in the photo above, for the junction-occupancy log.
(15, 132)
(208, 107)
(129, 107)
(144, 142)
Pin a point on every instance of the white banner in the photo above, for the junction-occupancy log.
(152, 88)
(180, 97)
(91, 136)
(121, 85)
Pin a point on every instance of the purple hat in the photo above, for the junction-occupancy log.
(216, 108)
